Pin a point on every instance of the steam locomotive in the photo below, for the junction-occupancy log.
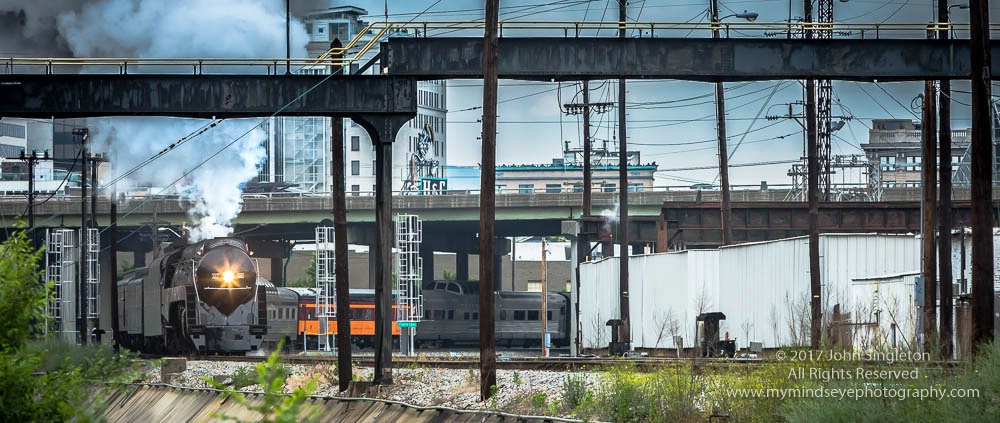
(201, 297)
(207, 297)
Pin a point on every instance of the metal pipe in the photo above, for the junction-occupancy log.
(383, 269)
(487, 206)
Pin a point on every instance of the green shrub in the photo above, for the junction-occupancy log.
(575, 391)
(275, 406)
(538, 400)
(243, 377)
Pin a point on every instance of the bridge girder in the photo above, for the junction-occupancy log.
(692, 59)
(207, 96)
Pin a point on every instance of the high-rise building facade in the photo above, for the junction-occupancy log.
(299, 147)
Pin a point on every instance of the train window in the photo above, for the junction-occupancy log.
(503, 315)
(427, 314)
(475, 315)
(451, 314)
(453, 287)
(533, 314)
(369, 315)
(465, 316)
(519, 314)
(548, 315)
(438, 314)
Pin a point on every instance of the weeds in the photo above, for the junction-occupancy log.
(243, 377)
(275, 406)
(517, 378)
(538, 400)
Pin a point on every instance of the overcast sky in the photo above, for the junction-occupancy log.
(672, 123)
(663, 114)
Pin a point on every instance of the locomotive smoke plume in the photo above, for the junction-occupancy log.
(213, 189)
(610, 217)
(177, 28)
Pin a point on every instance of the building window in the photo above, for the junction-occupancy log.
(913, 163)
(886, 162)
(355, 143)
(552, 188)
(355, 189)
(11, 130)
(535, 286)
(373, 167)
(526, 188)
(634, 187)
(355, 167)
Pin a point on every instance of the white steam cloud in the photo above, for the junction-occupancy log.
(154, 29)
(213, 188)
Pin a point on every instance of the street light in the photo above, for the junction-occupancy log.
(947, 19)
(752, 16)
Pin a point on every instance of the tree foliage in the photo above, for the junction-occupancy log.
(42, 380)
(22, 293)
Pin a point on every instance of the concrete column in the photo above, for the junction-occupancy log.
(373, 264)
(461, 266)
(497, 272)
(139, 258)
(427, 257)
(277, 272)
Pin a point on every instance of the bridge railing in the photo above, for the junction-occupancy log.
(365, 41)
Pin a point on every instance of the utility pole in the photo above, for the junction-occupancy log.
(585, 109)
(545, 296)
(623, 238)
(31, 160)
(720, 123)
(487, 206)
(812, 151)
(944, 205)
(116, 341)
(587, 181)
(928, 203)
(824, 100)
(982, 177)
(342, 283)
(82, 241)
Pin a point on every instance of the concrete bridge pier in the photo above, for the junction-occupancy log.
(277, 251)
(427, 260)
(462, 266)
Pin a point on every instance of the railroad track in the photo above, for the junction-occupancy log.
(539, 363)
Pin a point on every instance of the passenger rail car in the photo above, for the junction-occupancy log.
(362, 315)
(451, 316)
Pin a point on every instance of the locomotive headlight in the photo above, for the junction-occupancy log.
(228, 276)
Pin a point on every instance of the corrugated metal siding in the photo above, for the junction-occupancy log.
(159, 403)
(763, 288)
(598, 301)
(881, 307)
